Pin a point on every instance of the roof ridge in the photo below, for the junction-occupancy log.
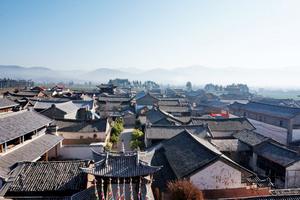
(267, 104)
(202, 141)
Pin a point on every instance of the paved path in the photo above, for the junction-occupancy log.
(126, 137)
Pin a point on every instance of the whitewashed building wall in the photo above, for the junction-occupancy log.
(292, 176)
(218, 175)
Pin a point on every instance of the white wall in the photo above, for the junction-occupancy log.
(76, 152)
(77, 135)
(296, 135)
(218, 175)
(292, 176)
(71, 115)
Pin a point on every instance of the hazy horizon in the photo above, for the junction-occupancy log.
(255, 42)
(157, 34)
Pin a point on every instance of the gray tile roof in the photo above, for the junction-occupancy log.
(17, 124)
(42, 105)
(120, 165)
(84, 103)
(52, 178)
(219, 127)
(28, 152)
(6, 103)
(156, 115)
(166, 132)
(67, 107)
(114, 99)
(229, 145)
(25, 93)
(45, 104)
(250, 137)
(186, 153)
(166, 174)
(81, 126)
(147, 99)
(213, 104)
(172, 102)
(267, 109)
(276, 153)
(177, 109)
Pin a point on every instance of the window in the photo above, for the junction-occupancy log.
(281, 123)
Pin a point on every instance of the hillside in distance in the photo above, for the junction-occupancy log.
(200, 75)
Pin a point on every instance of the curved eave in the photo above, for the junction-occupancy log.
(152, 170)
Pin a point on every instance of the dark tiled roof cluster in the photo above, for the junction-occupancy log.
(166, 132)
(42, 105)
(147, 99)
(187, 153)
(178, 109)
(280, 102)
(6, 103)
(172, 102)
(25, 93)
(276, 153)
(213, 103)
(114, 99)
(158, 116)
(120, 165)
(267, 109)
(250, 137)
(166, 174)
(16, 124)
(67, 107)
(180, 156)
(81, 126)
(45, 104)
(28, 152)
(226, 124)
(44, 178)
(84, 103)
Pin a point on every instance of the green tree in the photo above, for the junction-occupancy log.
(137, 134)
(114, 138)
(135, 144)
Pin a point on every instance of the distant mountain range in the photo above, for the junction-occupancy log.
(286, 77)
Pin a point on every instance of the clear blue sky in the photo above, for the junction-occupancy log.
(88, 34)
